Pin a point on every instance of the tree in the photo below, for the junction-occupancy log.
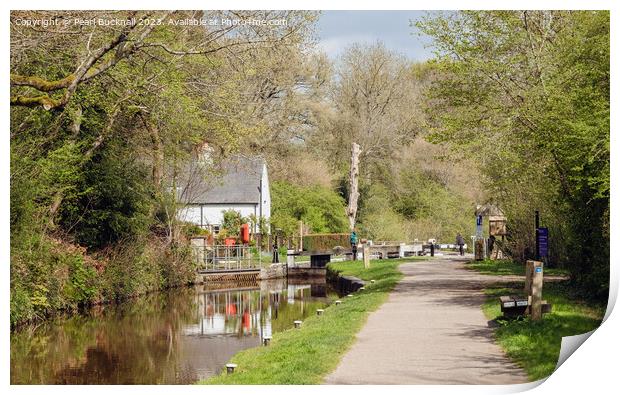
(104, 119)
(374, 101)
(519, 91)
(320, 208)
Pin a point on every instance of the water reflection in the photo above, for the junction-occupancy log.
(176, 337)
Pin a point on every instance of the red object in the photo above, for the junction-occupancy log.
(245, 233)
(246, 319)
(230, 241)
(231, 309)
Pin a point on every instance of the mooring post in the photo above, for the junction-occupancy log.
(366, 250)
(230, 367)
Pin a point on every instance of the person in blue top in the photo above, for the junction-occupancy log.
(353, 240)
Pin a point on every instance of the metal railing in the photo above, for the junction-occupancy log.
(227, 258)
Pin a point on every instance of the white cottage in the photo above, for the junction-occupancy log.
(239, 184)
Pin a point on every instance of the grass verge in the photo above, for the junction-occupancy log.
(508, 267)
(535, 346)
(307, 355)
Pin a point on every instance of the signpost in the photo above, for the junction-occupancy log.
(479, 241)
(542, 240)
(479, 226)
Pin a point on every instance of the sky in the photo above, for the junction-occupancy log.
(339, 29)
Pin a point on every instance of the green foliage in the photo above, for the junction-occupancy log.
(22, 308)
(82, 286)
(261, 222)
(191, 229)
(318, 207)
(326, 242)
(378, 220)
(114, 200)
(49, 275)
(232, 222)
(414, 205)
(526, 95)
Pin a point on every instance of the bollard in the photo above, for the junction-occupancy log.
(297, 324)
(349, 295)
(319, 311)
(372, 281)
(337, 302)
(361, 288)
(230, 367)
(266, 340)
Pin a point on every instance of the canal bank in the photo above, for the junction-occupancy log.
(306, 355)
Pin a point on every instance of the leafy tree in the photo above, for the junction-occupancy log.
(320, 208)
(232, 222)
(104, 120)
(526, 93)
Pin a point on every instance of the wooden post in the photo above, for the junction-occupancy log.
(366, 254)
(529, 270)
(301, 235)
(353, 185)
(533, 288)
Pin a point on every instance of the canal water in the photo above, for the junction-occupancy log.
(174, 337)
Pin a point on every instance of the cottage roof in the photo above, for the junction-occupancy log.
(236, 180)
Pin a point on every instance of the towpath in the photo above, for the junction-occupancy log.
(431, 330)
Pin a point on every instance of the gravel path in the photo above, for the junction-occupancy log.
(430, 331)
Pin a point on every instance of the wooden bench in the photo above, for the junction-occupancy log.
(513, 306)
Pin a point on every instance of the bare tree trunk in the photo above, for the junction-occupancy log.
(353, 181)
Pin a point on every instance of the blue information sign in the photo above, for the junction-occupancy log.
(542, 235)
(479, 226)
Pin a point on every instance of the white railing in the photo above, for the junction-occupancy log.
(227, 258)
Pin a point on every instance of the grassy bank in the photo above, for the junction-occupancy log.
(51, 276)
(508, 267)
(535, 346)
(307, 355)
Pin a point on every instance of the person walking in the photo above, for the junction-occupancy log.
(353, 240)
(460, 242)
(276, 256)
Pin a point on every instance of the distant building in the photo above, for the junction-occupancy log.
(240, 184)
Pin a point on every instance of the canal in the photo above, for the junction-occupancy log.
(174, 337)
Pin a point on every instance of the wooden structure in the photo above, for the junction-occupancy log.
(497, 229)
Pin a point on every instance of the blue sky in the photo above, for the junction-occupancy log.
(338, 29)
